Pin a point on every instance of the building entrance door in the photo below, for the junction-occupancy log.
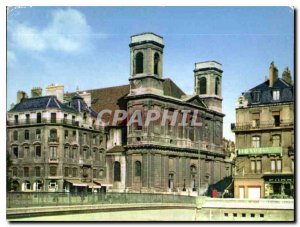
(254, 193)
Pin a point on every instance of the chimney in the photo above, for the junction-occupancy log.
(273, 74)
(286, 76)
(36, 92)
(87, 98)
(21, 95)
(56, 90)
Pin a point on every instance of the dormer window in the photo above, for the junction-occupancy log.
(276, 95)
(256, 96)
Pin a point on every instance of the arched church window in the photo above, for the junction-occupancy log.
(138, 169)
(117, 171)
(202, 85)
(156, 61)
(139, 63)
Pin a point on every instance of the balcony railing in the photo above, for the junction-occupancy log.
(48, 121)
(54, 139)
(260, 150)
(261, 125)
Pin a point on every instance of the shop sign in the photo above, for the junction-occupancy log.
(260, 150)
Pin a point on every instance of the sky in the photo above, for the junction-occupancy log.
(87, 47)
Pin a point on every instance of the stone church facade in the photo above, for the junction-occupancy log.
(161, 158)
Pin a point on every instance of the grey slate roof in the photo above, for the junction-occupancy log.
(76, 105)
(266, 97)
(38, 103)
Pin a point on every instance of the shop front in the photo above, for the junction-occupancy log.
(279, 186)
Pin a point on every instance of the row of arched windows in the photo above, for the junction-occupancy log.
(117, 170)
(139, 63)
(202, 86)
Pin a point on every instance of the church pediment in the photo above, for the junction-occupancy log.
(196, 100)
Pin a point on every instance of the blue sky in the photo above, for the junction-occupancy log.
(88, 46)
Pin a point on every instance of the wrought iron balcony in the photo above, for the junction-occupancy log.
(261, 125)
(54, 139)
(260, 150)
(48, 121)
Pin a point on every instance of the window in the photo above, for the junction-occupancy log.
(15, 135)
(26, 172)
(74, 172)
(38, 118)
(138, 169)
(66, 171)
(65, 118)
(276, 140)
(74, 152)
(278, 165)
(52, 185)
(38, 152)
(255, 141)
(85, 171)
(101, 173)
(27, 185)
(27, 116)
(53, 152)
(253, 166)
(139, 63)
(276, 95)
(73, 120)
(53, 170)
(66, 151)
(171, 181)
(94, 173)
(16, 119)
(217, 86)
(37, 171)
(26, 151)
(53, 117)
(38, 134)
(256, 96)
(97, 155)
(156, 61)
(15, 152)
(66, 134)
(202, 85)
(117, 171)
(94, 139)
(15, 171)
(255, 119)
(26, 134)
(273, 164)
(53, 135)
(276, 117)
(74, 134)
(258, 166)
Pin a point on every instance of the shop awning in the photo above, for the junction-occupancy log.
(77, 183)
(92, 185)
(103, 183)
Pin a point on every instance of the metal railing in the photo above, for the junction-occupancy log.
(260, 125)
(38, 199)
(48, 121)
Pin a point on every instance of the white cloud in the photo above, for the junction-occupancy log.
(67, 31)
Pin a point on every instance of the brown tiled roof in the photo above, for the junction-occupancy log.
(110, 98)
(116, 148)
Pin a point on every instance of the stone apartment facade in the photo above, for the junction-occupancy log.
(264, 132)
(157, 158)
(55, 146)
